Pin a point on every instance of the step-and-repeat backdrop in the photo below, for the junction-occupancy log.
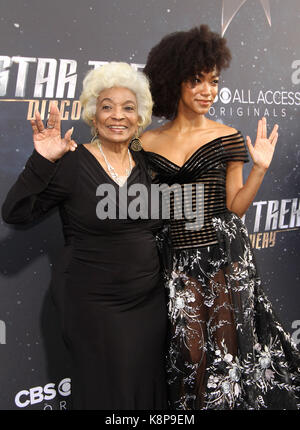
(45, 50)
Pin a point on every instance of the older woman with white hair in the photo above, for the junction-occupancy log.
(107, 284)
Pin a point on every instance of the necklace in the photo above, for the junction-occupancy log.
(119, 179)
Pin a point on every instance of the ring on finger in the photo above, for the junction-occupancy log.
(50, 126)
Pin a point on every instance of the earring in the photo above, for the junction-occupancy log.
(95, 137)
(135, 144)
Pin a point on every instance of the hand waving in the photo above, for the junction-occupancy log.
(47, 141)
(263, 150)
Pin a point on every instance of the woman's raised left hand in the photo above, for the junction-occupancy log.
(263, 149)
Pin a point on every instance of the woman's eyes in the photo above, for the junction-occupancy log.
(126, 108)
(197, 81)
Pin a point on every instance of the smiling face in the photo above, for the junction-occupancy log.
(116, 118)
(198, 93)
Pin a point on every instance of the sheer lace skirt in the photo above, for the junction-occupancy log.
(227, 349)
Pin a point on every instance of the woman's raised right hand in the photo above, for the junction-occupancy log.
(47, 140)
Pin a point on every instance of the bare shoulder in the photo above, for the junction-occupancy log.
(222, 129)
(149, 138)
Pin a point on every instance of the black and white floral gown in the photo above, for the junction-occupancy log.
(227, 349)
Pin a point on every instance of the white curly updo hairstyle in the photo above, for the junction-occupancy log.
(116, 74)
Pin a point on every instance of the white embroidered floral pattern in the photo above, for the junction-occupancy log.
(226, 341)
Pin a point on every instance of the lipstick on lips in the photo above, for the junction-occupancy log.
(204, 103)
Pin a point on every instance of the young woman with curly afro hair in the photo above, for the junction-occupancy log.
(227, 349)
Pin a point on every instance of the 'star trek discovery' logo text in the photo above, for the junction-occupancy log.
(36, 81)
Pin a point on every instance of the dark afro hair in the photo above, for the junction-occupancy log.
(179, 57)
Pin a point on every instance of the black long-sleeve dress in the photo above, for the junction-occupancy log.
(107, 284)
(227, 349)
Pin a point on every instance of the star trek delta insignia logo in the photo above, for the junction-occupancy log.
(231, 7)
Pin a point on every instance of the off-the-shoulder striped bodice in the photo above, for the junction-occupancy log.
(202, 176)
